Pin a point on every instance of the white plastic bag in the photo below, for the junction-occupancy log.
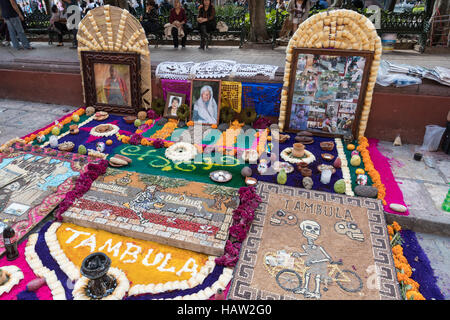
(432, 138)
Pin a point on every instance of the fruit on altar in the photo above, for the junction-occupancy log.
(56, 131)
(355, 161)
(82, 149)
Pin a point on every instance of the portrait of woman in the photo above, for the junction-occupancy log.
(173, 102)
(205, 99)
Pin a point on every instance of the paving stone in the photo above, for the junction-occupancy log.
(438, 194)
(437, 249)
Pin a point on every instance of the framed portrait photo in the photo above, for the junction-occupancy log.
(112, 81)
(205, 101)
(326, 91)
(173, 102)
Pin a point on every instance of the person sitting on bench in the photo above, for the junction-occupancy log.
(58, 24)
(178, 18)
(206, 21)
(150, 20)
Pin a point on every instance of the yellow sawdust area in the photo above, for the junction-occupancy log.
(137, 272)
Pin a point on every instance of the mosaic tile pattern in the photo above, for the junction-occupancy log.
(181, 213)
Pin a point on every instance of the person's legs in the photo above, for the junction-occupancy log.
(12, 34)
(74, 42)
(59, 27)
(203, 35)
(183, 40)
(17, 24)
(175, 37)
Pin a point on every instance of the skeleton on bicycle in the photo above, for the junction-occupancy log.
(317, 259)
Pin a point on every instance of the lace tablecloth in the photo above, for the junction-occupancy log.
(213, 69)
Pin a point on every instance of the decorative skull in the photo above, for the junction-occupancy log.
(350, 229)
(311, 229)
(280, 218)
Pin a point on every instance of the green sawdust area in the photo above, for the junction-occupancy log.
(150, 160)
(64, 129)
(209, 139)
(348, 155)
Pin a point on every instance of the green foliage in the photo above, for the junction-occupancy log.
(183, 112)
(226, 114)
(158, 105)
(229, 10)
(163, 182)
(248, 115)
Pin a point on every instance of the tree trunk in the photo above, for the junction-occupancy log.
(258, 29)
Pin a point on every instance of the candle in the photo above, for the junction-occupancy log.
(325, 177)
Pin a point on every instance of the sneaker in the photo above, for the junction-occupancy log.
(6, 43)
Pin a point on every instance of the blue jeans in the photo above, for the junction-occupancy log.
(16, 33)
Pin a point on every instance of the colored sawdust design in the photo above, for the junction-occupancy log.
(381, 164)
(173, 211)
(149, 160)
(295, 178)
(312, 245)
(26, 201)
(348, 154)
(144, 262)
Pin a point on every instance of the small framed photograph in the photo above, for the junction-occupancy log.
(205, 101)
(112, 81)
(173, 102)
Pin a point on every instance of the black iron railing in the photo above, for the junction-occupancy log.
(238, 24)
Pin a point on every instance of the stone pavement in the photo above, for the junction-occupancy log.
(424, 188)
(45, 52)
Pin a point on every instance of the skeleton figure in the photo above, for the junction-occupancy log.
(147, 200)
(317, 259)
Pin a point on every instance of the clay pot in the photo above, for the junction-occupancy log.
(301, 165)
(298, 150)
(129, 119)
(306, 172)
(327, 145)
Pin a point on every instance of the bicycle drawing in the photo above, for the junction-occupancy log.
(293, 271)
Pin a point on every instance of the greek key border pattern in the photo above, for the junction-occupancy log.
(243, 273)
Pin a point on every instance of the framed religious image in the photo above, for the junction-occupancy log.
(327, 90)
(205, 101)
(112, 81)
(173, 102)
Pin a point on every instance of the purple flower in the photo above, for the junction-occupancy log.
(151, 114)
(158, 143)
(136, 139)
(262, 123)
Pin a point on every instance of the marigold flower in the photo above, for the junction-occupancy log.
(397, 250)
(396, 226)
(390, 230)
(402, 277)
(414, 295)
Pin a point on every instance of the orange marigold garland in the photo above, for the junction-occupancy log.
(363, 143)
(409, 287)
